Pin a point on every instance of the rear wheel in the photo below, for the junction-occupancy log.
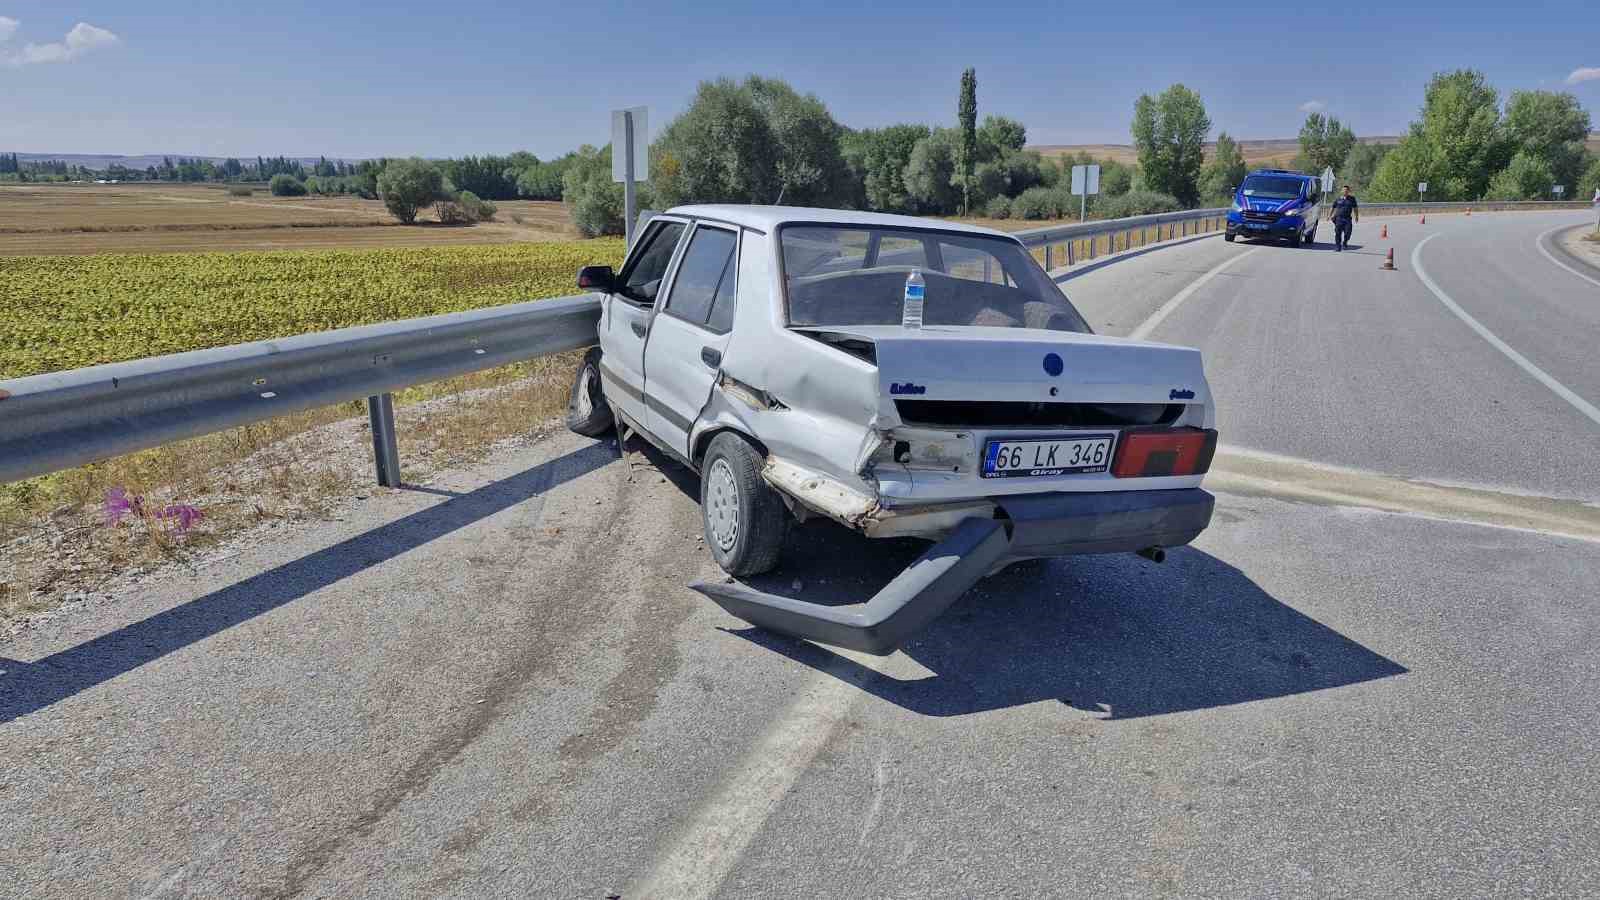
(588, 413)
(744, 517)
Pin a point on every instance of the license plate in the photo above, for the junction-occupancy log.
(1254, 227)
(1052, 456)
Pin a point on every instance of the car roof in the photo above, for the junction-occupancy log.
(766, 218)
(1281, 172)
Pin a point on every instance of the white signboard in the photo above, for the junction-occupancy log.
(1422, 187)
(1086, 180)
(641, 144)
(1327, 180)
(1559, 189)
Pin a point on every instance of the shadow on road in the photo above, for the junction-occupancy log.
(1109, 634)
(29, 687)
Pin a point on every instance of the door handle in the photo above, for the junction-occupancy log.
(639, 328)
(711, 356)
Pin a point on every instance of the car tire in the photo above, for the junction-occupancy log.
(588, 413)
(1228, 236)
(1294, 239)
(743, 516)
(1311, 239)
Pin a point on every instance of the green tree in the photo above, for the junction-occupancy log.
(1116, 179)
(1325, 142)
(1223, 173)
(1361, 165)
(888, 155)
(286, 186)
(1590, 181)
(407, 185)
(930, 173)
(808, 168)
(595, 201)
(1169, 132)
(1551, 127)
(1527, 177)
(1410, 162)
(998, 135)
(1461, 124)
(967, 115)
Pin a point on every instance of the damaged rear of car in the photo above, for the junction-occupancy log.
(775, 356)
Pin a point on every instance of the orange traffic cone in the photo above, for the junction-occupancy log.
(1388, 264)
(1423, 220)
(1385, 232)
(1469, 210)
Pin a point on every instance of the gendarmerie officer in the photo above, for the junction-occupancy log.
(1345, 213)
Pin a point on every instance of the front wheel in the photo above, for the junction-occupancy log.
(588, 413)
(1228, 236)
(1294, 239)
(744, 517)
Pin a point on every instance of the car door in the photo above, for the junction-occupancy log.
(626, 313)
(690, 333)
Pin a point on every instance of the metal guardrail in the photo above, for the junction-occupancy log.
(1079, 241)
(64, 419)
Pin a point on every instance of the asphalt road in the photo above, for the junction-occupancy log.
(501, 687)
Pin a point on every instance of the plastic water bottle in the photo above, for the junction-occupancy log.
(911, 313)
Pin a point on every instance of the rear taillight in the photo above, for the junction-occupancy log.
(1150, 452)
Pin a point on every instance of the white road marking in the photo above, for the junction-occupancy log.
(1544, 378)
(1539, 242)
(711, 845)
(1149, 325)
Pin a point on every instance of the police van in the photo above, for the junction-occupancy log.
(1276, 203)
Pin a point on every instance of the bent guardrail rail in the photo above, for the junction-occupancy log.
(64, 419)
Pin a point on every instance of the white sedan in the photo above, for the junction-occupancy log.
(902, 376)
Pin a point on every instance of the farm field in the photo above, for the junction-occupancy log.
(53, 219)
(62, 312)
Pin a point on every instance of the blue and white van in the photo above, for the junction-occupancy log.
(1276, 203)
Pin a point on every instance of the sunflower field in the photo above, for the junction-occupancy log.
(63, 312)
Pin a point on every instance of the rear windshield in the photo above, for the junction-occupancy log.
(838, 275)
(1272, 187)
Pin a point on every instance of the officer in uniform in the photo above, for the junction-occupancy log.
(1345, 212)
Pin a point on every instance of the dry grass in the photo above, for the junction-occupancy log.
(48, 219)
(1256, 153)
(56, 545)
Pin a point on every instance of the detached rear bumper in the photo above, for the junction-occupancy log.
(1062, 524)
(1055, 524)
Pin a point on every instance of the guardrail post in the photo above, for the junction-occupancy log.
(385, 449)
(1048, 256)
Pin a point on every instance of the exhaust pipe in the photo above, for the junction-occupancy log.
(1154, 554)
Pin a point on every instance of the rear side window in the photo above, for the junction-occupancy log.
(643, 278)
(705, 277)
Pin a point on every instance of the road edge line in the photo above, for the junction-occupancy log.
(1165, 309)
(1539, 243)
(1544, 378)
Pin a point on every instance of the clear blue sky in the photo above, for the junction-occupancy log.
(218, 78)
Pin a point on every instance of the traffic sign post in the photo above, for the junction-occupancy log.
(1327, 181)
(1422, 188)
(1558, 190)
(630, 158)
(1085, 181)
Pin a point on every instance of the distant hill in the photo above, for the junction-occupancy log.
(101, 161)
(1256, 153)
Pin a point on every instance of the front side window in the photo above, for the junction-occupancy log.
(643, 279)
(841, 275)
(706, 267)
(1272, 187)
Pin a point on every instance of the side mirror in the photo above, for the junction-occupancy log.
(597, 278)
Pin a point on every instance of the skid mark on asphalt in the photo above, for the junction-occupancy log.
(1251, 472)
(706, 850)
(1544, 378)
(1166, 309)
